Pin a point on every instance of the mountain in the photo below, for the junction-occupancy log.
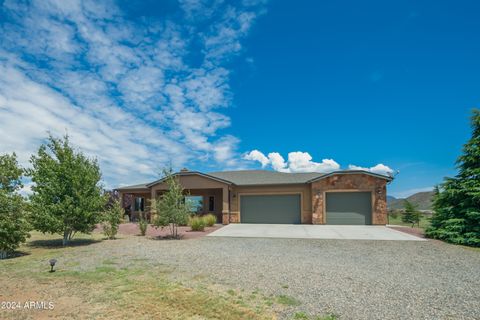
(423, 200)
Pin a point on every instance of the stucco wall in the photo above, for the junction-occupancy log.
(350, 182)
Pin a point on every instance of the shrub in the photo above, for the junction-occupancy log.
(210, 220)
(143, 225)
(197, 224)
(112, 218)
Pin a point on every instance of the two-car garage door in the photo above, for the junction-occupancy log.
(279, 208)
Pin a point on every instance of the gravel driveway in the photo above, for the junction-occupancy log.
(353, 279)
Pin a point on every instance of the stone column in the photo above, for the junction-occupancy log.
(225, 206)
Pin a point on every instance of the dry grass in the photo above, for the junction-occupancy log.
(112, 292)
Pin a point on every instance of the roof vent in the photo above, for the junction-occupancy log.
(184, 170)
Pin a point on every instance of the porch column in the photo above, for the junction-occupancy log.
(225, 206)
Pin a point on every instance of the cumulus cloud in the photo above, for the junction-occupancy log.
(303, 162)
(256, 155)
(379, 169)
(127, 92)
(297, 162)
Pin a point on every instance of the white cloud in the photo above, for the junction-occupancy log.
(379, 169)
(256, 155)
(303, 162)
(297, 162)
(124, 91)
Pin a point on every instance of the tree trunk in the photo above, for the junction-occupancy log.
(3, 254)
(66, 237)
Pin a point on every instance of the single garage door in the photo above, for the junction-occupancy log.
(270, 209)
(349, 208)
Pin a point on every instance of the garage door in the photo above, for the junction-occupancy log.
(270, 209)
(349, 208)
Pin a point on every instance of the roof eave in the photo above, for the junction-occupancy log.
(381, 176)
(189, 173)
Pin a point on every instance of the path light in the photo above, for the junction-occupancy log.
(52, 264)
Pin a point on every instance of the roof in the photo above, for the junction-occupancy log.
(259, 177)
(134, 187)
(189, 173)
(381, 176)
(264, 177)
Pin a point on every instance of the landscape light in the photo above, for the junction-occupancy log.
(52, 264)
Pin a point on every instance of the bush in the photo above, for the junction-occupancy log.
(112, 218)
(197, 224)
(210, 220)
(143, 225)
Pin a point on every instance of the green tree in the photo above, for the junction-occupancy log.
(171, 208)
(112, 217)
(456, 203)
(67, 195)
(411, 214)
(14, 226)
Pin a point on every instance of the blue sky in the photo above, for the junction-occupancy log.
(213, 85)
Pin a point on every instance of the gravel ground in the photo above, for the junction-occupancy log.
(352, 279)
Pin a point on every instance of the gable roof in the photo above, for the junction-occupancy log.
(191, 173)
(343, 172)
(264, 177)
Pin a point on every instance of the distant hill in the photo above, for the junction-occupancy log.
(423, 200)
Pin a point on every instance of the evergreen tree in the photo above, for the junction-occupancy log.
(457, 201)
(411, 214)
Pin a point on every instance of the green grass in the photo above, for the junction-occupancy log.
(287, 300)
(424, 221)
(108, 290)
(304, 316)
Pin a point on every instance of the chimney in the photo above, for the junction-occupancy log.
(184, 170)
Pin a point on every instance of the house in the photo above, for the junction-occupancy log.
(258, 196)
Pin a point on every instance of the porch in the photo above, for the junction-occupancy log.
(137, 203)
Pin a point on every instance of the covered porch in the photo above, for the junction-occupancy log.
(137, 203)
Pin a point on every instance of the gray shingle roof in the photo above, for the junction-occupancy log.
(264, 177)
(134, 187)
(260, 177)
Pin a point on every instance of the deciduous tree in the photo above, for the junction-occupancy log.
(67, 195)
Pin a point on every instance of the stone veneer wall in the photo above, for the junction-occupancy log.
(234, 218)
(350, 182)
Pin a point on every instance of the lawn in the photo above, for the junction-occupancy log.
(108, 290)
(424, 221)
(93, 279)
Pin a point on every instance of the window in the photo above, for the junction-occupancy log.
(139, 204)
(211, 204)
(196, 202)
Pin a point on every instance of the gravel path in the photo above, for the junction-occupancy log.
(353, 279)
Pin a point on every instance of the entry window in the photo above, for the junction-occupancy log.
(139, 204)
(211, 203)
(196, 202)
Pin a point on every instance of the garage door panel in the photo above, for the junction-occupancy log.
(270, 209)
(349, 208)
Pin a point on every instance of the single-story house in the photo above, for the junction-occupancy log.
(261, 196)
